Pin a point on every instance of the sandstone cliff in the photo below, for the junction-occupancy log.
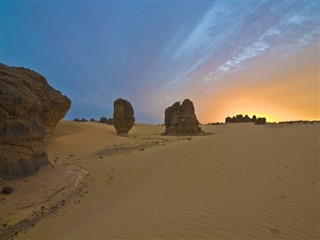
(29, 111)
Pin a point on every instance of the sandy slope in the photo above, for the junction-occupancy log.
(242, 182)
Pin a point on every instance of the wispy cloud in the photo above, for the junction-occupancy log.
(248, 52)
(196, 47)
(291, 32)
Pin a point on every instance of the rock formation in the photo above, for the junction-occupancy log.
(260, 121)
(105, 120)
(29, 110)
(181, 120)
(123, 118)
(240, 119)
(247, 119)
(228, 120)
(254, 118)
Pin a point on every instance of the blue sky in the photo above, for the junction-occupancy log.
(154, 53)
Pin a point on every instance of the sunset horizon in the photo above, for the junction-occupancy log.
(263, 60)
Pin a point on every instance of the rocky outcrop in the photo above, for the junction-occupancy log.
(245, 119)
(254, 118)
(260, 121)
(123, 116)
(180, 120)
(105, 120)
(228, 120)
(29, 111)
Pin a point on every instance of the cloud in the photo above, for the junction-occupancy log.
(198, 38)
(296, 19)
(271, 33)
(248, 52)
(306, 39)
(191, 50)
(289, 32)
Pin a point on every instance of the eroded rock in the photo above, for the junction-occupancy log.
(30, 109)
(181, 120)
(123, 116)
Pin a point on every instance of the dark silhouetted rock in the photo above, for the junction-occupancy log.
(7, 190)
(181, 120)
(300, 122)
(228, 120)
(260, 121)
(83, 120)
(254, 118)
(123, 116)
(239, 118)
(215, 123)
(105, 120)
(246, 119)
(29, 111)
(80, 120)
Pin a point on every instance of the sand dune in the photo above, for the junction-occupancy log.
(241, 182)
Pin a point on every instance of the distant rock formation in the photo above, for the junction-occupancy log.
(29, 111)
(228, 120)
(105, 120)
(180, 120)
(260, 121)
(80, 120)
(300, 122)
(254, 118)
(215, 123)
(246, 119)
(123, 118)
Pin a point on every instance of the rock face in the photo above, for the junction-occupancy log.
(180, 120)
(123, 118)
(29, 111)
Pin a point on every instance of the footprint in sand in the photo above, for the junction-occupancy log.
(274, 231)
(282, 196)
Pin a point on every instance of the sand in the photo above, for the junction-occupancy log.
(243, 181)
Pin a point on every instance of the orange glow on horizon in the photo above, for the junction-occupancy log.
(279, 93)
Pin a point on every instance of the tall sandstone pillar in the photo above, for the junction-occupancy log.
(123, 116)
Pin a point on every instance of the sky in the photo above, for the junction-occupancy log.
(228, 57)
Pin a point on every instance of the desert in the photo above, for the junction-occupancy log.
(241, 181)
(159, 120)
